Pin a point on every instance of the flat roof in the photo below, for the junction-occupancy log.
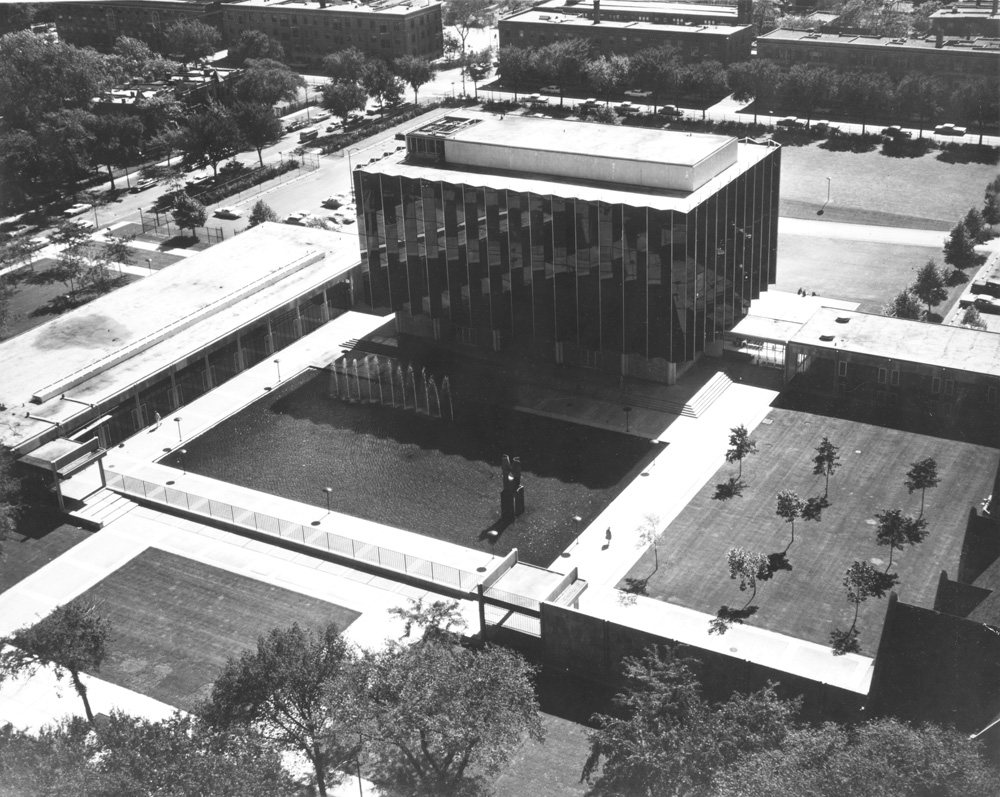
(398, 7)
(542, 17)
(778, 316)
(645, 7)
(101, 349)
(979, 44)
(937, 345)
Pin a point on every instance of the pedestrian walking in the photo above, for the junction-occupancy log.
(607, 536)
(158, 419)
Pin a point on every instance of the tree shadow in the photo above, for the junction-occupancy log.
(906, 148)
(776, 562)
(636, 586)
(179, 242)
(856, 144)
(933, 318)
(956, 277)
(60, 304)
(969, 153)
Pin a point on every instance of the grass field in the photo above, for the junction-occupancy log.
(176, 622)
(809, 601)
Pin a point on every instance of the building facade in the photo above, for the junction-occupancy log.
(99, 24)
(660, 13)
(622, 249)
(693, 42)
(309, 31)
(954, 60)
(975, 18)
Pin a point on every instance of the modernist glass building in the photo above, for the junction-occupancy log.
(626, 249)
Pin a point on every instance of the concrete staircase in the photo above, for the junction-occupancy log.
(102, 508)
(694, 407)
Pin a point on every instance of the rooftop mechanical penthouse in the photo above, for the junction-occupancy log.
(629, 250)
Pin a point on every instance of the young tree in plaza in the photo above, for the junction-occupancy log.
(279, 690)
(190, 40)
(340, 97)
(650, 532)
(896, 530)
(749, 567)
(826, 462)
(929, 286)
(741, 446)
(789, 508)
(414, 71)
(862, 582)
(261, 212)
(921, 476)
(258, 126)
(188, 213)
(72, 638)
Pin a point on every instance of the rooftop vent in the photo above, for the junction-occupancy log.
(843, 319)
(826, 338)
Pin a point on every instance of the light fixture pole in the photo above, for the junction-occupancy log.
(627, 411)
(329, 492)
(277, 363)
(149, 264)
(828, 180)
(183, 463)
(180, 438)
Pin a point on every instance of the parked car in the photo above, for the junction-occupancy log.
(551, 90)
(299, 217)
(142, 185)
(896, 132)
(228, 213)
(322, 116)
(83, 225)
(335, 201)
(670, 110)
(38, 242)
(949, 129)
(77, 209)
(790, 122)
(638, 94)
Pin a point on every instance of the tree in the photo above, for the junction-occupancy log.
(380, 83)
(758, 79)
(655, 69)
(789, 508)
(70, 263)
(266, 82)
(862, 582)
(874, 17)
(346, 65)
(929, 286)
(414, 71)
(972, 319)
(441, 717)
(190, 40)
(809, 88)
(749, 567)
(478, 65)
(904, 305)
(896, 530)
(979, 102)
(258, 126)
(279, 691)
(261, 212)
(662, 737)
(650, 532)
(921, 475)
(707, 79)
(211, 136)
(73, 638)
(10, 487)
(920, 96)
(119, 250)
(608, 75)
(741, 446)
(254, 44)
(515, 64)
(451, 46)
(976, 227)
(563, 62)
(117, 141)
(463, 16)
(991, 203)
(826, 462)
(340, 97)
(188, 213)
(959, 249)
(882, 757)
(863, 92)
(65, 139)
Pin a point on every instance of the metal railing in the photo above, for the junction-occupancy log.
(513, 599)
(357, 550)
(513, 621)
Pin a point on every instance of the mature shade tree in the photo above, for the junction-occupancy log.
(922, 475)
(874, 17)
(266, 81)
(258, 126)
(190, 40)
(66, 141)
(188, 213)
(904, 305)
(826, 461)
(515, 66)
(707, 80)
(862, 582)
(972, 319)
(72, 638)
(975, 225)
(960, 248)
(662, 737)
(117, 141)
(764, 16)
(346, 65)
(211, 136)
(563, 62)
(22, 166)
(920, 96)
(864, 92)
(17, 16)
(741, 446)
(896, 530)
(340, 97)
(414, 71)
(380, 83)
(656, 69)
(758, 79)
(809, 88)
(929, 285)
(789, 508)
(462, 16)
(749, 567)
(991, 202)
(920, 17)
(133, 60)
(261, 212)
(159, 114)
(979, 102)
(279, 691)
(878, 758)
(440, 718)
(10, 486)
(254, 44)
(7, 292)
(478, 65)
(608, 75)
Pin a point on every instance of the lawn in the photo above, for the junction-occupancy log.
(176, 622)
(924, 187)
(809, 601)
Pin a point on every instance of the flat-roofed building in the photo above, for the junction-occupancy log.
(955, 60)
(630, 250)
(309, 31)
(933, 371)
(693, 41)
(655, 11)
(98, 23)
(975, 18)
(109, 367)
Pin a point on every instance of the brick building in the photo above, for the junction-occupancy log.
(99, 24)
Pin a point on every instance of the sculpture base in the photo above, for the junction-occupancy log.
(512, 503)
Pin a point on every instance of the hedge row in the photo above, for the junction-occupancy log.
(217, 193)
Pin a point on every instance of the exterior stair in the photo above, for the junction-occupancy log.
(102, 508)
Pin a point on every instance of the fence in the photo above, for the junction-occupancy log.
(159, 225)
(356, 550)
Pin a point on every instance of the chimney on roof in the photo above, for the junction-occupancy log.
(939, 38)
(597, 12)
(322, 3)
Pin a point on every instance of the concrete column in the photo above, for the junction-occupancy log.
(240, 362)
(269, 340)
(208, 375)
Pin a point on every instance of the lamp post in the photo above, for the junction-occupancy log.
(180, 438)
(828, 190)
(329, 492)
(491, 537)
(576, 525)
(183, 463)
(277, 364)
(350, 174)
(149, 264)
(627, 411)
